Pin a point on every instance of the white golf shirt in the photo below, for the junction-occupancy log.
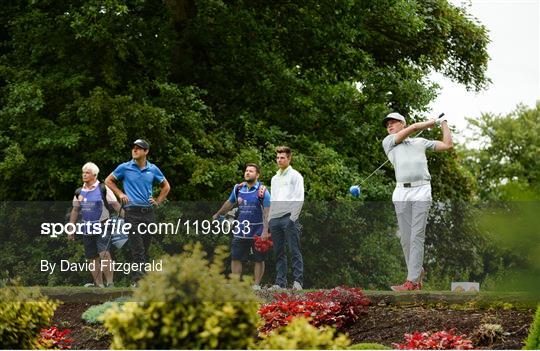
(286, 194)
(412, 204)
(408, 157)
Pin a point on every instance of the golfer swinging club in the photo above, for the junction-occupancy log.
(412, 195)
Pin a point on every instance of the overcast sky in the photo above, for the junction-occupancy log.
(514, 30)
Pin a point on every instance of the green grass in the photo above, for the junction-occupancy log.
(457, 300)
(82, 289)
(368, 346)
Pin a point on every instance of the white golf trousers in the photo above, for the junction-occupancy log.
(412, 209)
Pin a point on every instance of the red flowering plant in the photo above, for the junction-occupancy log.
(55, 339)
(338, 307)
(441, 340)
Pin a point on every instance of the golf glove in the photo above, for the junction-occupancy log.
(439, 121)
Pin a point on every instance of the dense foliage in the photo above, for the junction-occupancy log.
(506, 163)
(213, 85)
(189, 305)
(338, 308)
(533, 340)
(507, 167)
(301, 335)
(23, 313)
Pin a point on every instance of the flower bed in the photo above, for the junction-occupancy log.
(55, 339)
(383, 324)
(441, 340)
(338, 307)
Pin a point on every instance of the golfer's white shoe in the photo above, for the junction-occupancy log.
(297, 286)
(256, 287)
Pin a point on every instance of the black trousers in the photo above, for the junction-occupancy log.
(139, 240)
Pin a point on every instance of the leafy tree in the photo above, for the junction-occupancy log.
(508, 154)
(508, 174)
(213, 85)
(204, 79)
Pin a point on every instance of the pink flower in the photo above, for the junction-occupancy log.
(441, 340)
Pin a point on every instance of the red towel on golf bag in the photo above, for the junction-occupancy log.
(263, 245)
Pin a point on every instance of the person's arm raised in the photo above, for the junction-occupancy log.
(415, 127)
(446, 143)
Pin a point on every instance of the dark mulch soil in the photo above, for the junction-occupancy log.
(381, 324)
(387, 324)
(84, 335)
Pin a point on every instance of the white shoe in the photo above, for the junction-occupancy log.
(256, 287)
(275, 288)
(297, 286)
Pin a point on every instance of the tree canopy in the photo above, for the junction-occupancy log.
(507, 162)
(214, 84)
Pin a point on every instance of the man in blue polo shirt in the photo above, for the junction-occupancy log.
(253, 201)
(138, 177)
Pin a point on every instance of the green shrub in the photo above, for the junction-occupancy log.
(189, 305)
(368, 346)
(533, 340)
(23, 313)
(300, 335)
(94, 314)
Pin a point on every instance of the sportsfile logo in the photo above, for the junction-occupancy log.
(188, 227)
(96, 228)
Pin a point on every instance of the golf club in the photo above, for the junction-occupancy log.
(355, 190)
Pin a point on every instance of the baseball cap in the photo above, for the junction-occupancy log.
(393, 115)
(142, 144)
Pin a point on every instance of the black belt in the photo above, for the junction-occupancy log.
(139, 209)
(412, 184)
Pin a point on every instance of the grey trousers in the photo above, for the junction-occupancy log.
(412, 209)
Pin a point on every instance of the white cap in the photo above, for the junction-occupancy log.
(393, 115)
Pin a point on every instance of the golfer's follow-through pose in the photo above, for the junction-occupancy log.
(412, 195)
